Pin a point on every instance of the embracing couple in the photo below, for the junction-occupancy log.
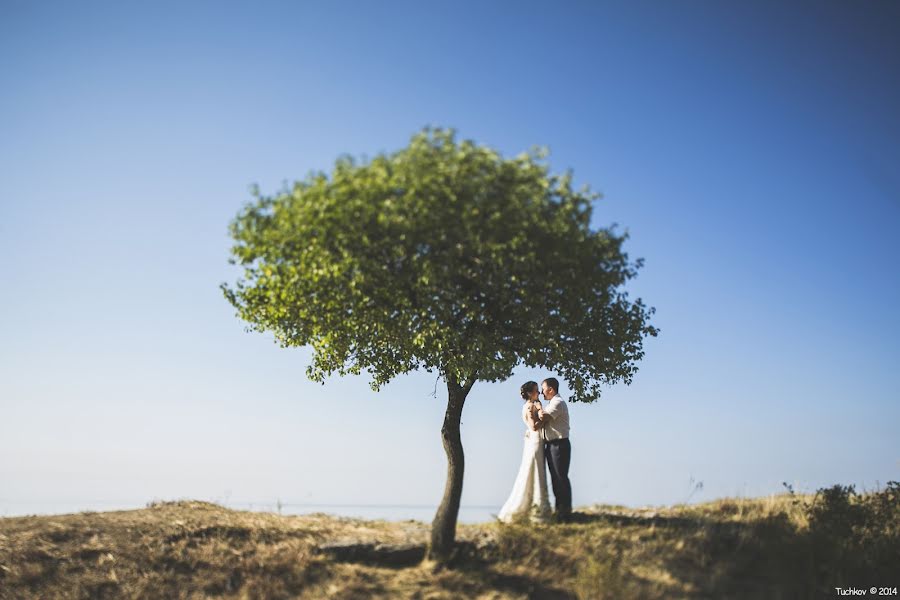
(546, 439)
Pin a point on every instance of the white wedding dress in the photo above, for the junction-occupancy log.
(529, 496)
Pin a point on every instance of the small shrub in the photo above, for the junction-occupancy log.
(855, 536)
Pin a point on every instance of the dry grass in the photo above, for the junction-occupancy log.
(731, 548)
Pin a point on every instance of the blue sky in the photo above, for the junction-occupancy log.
(750, 149)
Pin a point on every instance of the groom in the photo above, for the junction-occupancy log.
(557, 448)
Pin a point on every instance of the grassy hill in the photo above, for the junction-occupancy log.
(786, 546)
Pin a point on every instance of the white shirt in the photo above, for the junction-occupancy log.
(558, 426)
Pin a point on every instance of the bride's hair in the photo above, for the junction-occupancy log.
(527, 388)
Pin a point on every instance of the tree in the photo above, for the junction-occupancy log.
(447, 257)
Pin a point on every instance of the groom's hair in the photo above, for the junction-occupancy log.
(527, 388)
(553, 383)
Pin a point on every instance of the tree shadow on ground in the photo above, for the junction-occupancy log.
(477, 561)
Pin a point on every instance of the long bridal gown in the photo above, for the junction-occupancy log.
(529, 496)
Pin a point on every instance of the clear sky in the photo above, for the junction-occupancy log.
(752, 150)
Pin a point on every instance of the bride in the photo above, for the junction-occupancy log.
(529, 495)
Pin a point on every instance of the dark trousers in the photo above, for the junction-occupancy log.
(559, 455)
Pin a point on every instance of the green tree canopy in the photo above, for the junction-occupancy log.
(443, 256)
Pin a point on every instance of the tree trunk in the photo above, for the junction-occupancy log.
(443, 528)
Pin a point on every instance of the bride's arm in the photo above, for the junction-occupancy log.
(531, 419)
(544, 416)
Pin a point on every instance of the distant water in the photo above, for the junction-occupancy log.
(386, 512)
